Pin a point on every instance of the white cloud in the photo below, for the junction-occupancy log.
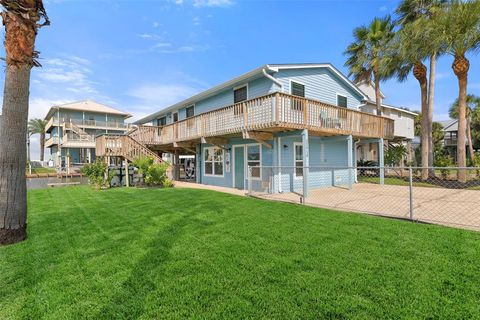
(212, 3)
(70, 71)
(180, 49)
(196, 21)
(156, 24)
(162, 45)
(162, 95)
(150, 36)
(383, 8)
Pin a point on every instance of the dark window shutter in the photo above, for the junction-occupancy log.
(298, 89)
(240, 94)
(162, 121)
(342, 101)
(175, 117)
(190, 112)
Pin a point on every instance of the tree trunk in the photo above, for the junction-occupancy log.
(378, 96)
(42, 145)
(420, 73)
(425, 132)
(431, 98)
(470, 142)
(13, 188)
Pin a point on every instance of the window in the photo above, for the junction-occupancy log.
(162, 121)
(190, 111)
(298, 160)
(297, 89)
(175, 117)
(240, 94)
(399, 114)
(213, 161)
(254, 159)
(341, 101)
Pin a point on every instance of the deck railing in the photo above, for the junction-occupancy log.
(122, 146)
(277, 110)
(88, 123)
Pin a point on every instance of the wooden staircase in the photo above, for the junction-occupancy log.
(123, 146)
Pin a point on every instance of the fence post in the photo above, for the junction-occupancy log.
(249, 181)
(410, 174)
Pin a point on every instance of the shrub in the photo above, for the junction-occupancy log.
(395, 155)
(444, 160)
(476, 163)
(96, 173)
(154, 174)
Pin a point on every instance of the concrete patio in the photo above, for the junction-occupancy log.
(450, 207)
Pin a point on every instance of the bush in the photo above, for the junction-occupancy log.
(96, 173)
(476, 163)
(395, 154)
(444, 160)
(154, 174)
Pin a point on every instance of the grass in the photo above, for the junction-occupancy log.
(395, 182)
(179, 253)
(42, 170)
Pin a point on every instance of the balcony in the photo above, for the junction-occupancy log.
(271, 113)
(78, 141)
(88, 124)
(51, 141)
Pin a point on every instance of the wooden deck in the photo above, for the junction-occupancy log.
(271, 113)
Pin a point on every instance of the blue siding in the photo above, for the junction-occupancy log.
(227, 179)
(320, 84)
(325, 153)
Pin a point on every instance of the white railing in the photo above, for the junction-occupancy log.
(275, 111)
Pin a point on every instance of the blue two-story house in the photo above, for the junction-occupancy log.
(287, 122)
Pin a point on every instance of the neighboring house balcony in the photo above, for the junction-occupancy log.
(259, 118)
(51, 142)
(71, 140)
(87, 124)
(450, 142)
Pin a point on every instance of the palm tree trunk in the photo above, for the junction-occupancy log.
(42, 145)
(462, 130)
(425, 132)
(470, 142)
(378, 96)
(13, 188)
(431, 98)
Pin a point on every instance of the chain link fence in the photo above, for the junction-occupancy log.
(447, 196)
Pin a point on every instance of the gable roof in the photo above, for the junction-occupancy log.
(251, 75)
(449, 125)
(87, 106)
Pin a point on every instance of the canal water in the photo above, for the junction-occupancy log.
(42, 183)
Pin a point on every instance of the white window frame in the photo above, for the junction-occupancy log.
(240, 87)
(260, 161)
(213, 162)
(295, 144)
(341, 95)
(299, 82)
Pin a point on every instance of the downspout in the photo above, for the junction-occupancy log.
(355, 145)
(279, 162)
(268, 76)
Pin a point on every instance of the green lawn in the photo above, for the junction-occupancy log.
(179, 253)
(395, 182)
(42, 170)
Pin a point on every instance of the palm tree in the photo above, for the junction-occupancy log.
(37, 126)
(473, 104)
(423, 13)
(365, 56)
(21, 19)
(460, 26)
(411, 52)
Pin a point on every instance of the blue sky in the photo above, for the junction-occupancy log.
(141, 56)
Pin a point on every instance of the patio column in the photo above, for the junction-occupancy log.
(350, 161)
(198, 161)
(306, 162)
(273, 170)
(381, 162)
